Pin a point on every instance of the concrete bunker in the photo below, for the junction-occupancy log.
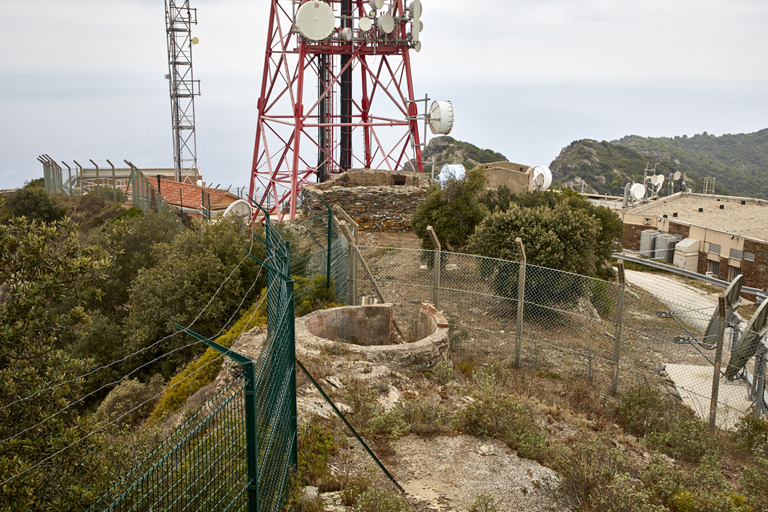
(369, 330)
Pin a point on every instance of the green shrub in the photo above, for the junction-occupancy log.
(456, 336)
(316, 446)
(34, 204)
(755, 483)
(423, 418)
(484, 503)
(664, 424)
(661, 480)
(131, 398)
(752, 433)
(503, 418)
(491, 378)
(443, 372)
(355, 485)
(586, 464)
(687, 440)
(376, 499)
(622, 494)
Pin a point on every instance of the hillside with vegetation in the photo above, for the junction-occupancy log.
(603, 167)
(739, 162)
(447, 150)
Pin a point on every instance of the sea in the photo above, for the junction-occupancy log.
(80, 118)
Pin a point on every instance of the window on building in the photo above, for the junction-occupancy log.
(736, 254)
(748, 256)
(714, 249)
(714, 268)
(734, 271)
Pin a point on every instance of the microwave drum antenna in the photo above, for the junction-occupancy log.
(637, 191)
(542, 177)
(315, 20)
(441, 117)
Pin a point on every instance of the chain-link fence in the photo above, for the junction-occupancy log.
(614, 335)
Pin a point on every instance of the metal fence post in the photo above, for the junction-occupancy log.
(353, 242)
(292, 341)
(437, 264)
(251, 436)
(330, 250)
(718, 363)
(617, 333)
(520, 301)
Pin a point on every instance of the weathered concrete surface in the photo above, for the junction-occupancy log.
(694, 384)
(359, 325)
(421, 354)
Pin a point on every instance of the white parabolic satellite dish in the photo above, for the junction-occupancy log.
(637, 191)
(386, 24)
(240, 208)
(365, 24)
(542, 177)
(315, 20)
(678, 175)
(441, 117)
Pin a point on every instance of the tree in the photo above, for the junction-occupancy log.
(453, 211)
(47, 277)
(557, 238)
(34, 204)
(198, 263)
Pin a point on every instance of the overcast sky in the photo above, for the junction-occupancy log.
(562, 46)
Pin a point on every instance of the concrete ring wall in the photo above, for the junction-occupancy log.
(432, 347)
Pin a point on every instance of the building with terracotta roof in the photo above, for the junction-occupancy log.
(193, 200)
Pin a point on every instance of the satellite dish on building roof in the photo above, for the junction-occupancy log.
(678, 175)
(441, 117)
(637, 191)
(542, 177)
(315, 20)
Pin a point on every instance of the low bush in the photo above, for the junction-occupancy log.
(665, 424)
(484, 503)
(586, 464)
(754, 481)
(503, 418)
(316, 447)
(623, 494)
(491, 378)
(131, 399)
(423, 418)
(443, 372)
(376, 499)
(752, 433)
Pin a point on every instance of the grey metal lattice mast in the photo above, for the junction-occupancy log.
(179, 19)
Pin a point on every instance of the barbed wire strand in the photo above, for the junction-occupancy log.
(115, 420)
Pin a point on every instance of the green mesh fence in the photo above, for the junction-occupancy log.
(238, 452)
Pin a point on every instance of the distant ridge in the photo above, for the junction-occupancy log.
(738, 162)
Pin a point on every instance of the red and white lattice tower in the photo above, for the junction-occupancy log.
(334, 70)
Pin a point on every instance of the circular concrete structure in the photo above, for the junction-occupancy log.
(367, 330)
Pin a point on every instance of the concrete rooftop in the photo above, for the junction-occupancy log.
(748, 220)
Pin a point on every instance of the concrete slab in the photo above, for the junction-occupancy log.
(694, 384)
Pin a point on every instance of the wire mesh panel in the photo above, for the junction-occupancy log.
(201, 466)
(566, 323)
(146, 198)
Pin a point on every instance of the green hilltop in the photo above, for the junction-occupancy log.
(738, 162)
(603, 167)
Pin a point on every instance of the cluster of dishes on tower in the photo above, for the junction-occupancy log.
(316, 21)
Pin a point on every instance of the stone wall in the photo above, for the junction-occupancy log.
(679, 229)
(630, 239)
(755, 272)
(376, 200)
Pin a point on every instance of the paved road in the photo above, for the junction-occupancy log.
(696, 305)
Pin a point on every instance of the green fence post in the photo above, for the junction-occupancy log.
(251, 436)
(617, 333)
(292, 340)
(330, 250)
